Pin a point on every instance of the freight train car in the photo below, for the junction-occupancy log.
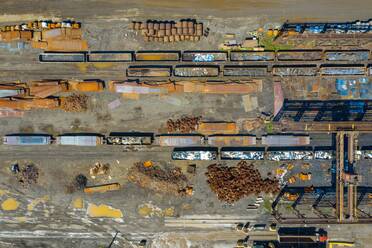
(80, 139)
(252, 55)
(323, 152)
(290, 153)
(131, 138)
(285, 140)
(60, 57)
(195, 153)
(149, 71)
(27, 139)
(242, 153)
(347, 55)
(249, 71)
(294, 70)
(204, 56)
(180, 140)
(299, 55)
(157, 56)
(110, 56)
(231, 140)
(196, 71)
(335, 70)
(208, 128)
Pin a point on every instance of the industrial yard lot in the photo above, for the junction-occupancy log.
(185, 124)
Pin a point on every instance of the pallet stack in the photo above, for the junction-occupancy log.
(169, 31)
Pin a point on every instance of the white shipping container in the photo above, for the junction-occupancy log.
(79, 140)
(184, 140)
(285, 140)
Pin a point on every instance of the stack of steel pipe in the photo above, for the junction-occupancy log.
(169, 31)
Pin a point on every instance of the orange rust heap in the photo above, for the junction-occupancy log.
(48, 35)
(233, 183)
(74, 103)
(185, 124)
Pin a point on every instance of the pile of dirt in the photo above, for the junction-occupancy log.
(158, 178)
(183, 125)
(28, 175)
(233, 183)
(79, 183)
(75, 103)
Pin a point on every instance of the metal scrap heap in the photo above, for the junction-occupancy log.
(28, 175)
(75, 103)
(170, 31)
(184, 125)
(159, 178)
(233, 183)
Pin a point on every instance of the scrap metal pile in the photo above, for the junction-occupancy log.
(47, 35)
(233, 183)
(169, 31)
(159, 178)
(16, 97)
(290, 155)
(183, 125)
(75, 103)
(28, 175)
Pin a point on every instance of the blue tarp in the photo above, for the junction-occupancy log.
(359, 88)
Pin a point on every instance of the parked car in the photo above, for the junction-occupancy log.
(259, 227)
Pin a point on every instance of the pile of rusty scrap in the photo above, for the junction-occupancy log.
(169, 31)
(183, 125)
(75, 103)
(16, 97)
(159, 178)
(48, 35)
(233, 183)
(28, 175)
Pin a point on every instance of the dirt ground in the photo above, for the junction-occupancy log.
(48, 214)
(270, 9)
